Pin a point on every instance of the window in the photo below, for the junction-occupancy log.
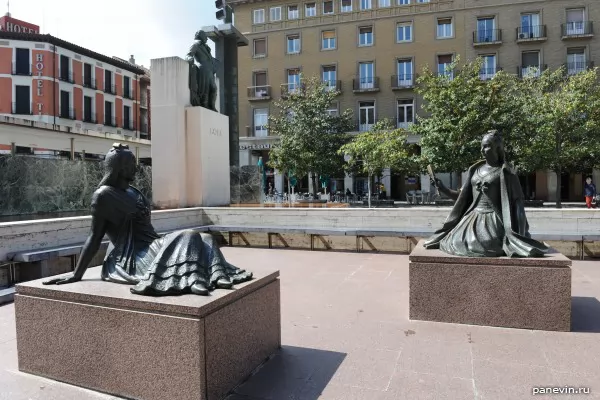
(486, 30)
(127, 92)
(22, 100)
(366, 115)
(576, 61)
(259, 16)
(406, 113)
(404, 32)
(444, 28)
(488, 68)
(530, 63)
(127, 118)
(330, 77)
(260, 47)
(259, 79)
(108, 85)
(403, 2)
(87, 76)
(293, 80)
(530, 26)
(365, 36)
(328, 41)
(346, 5)
(108, 114)
(575, 21)
(293, 12)
(384, 3)
(365, 4)
(328, 7)
(261, 121)
(422, 1)
(293, 44)
(366, 75)
(87, 110)
(332, 109)
(404, 69)
(275, 14)
(22, 65)
(444, 62)
(310, 10)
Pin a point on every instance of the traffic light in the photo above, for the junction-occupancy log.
(221, 9)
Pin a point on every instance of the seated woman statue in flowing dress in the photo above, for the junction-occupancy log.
(180, 262)
(488, 218)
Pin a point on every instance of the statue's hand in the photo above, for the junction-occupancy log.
(62, 281)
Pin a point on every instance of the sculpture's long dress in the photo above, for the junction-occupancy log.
(156, 265)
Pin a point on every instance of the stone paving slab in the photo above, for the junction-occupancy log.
(346, 335)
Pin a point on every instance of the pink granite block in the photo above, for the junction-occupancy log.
(532, 293)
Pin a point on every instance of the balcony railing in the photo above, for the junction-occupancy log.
(333, 85)
(447, 73)
(573, 68)
(259, 92)
(365, 84)
(22, 108)
(89, 83)
(66, 76)
(257, 131)
(404, 81)
(143, 128)
(364, 126)
(90, 118)
(110, 121)
(67, 113)
(530, 33)
(487, 36)
(129, 125)
(577, 29)
(24, 70)
(111, 89)
(291, 88)
(531, 70)
(404, 125)
(128, 93)
(488, 73)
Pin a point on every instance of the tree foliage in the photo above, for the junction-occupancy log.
(309, 136)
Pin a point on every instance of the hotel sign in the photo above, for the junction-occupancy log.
(9, 24)
(264, 146)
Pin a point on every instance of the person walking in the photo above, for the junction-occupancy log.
(589, 191)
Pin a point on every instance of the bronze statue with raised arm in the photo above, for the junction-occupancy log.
(180, 262)
(488, 218)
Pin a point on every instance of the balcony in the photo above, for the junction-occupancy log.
(405, 81)
(22, 108)
(333, 85)
(531, 70)
(365, 84)
(143, 128)
(404, 125)
(110, 89)
(89, 83)
(90, 118)
(257, 93)
(21, 70)
(449, 74)
(364, 126)
(257, 131)
(487, 37)
(110, 121)
(488, 73)
(66, 76)
(128, 125)
(291, 88)
(531, 33)
(67, 113)
(574, 68)
(128, 93)
(577, 30)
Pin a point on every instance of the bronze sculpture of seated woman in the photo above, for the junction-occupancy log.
(179, 262)
(488, 218)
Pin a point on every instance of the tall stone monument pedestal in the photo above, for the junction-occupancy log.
(190, 145)
(527, 293)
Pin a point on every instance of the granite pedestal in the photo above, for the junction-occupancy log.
(528, 293)
(99, 336)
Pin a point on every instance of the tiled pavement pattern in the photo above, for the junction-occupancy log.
(346, 335)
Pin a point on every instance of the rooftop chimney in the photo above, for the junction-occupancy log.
(132, 60)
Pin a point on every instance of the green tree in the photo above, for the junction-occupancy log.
(379, 148)
(309, 136)
(562, 115)
(459, 110)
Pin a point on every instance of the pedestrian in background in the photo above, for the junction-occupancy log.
(589, 191)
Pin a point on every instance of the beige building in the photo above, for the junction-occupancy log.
(372, 50)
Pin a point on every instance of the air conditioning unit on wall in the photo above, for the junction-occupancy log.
(522, 35)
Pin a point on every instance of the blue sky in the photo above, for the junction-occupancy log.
(145, 28)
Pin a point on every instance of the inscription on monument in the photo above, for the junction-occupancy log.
(216, 132)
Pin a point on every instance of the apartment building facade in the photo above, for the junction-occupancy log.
(373, 50)
(46, 79)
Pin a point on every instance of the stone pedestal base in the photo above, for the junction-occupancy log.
(98, 335)
(528, 293)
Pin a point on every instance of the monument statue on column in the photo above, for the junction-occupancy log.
(203, 87)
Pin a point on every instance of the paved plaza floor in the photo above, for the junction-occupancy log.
(346, 336)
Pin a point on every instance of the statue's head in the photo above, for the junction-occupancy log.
(120, 166)
(492, 147)
(201, 36)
